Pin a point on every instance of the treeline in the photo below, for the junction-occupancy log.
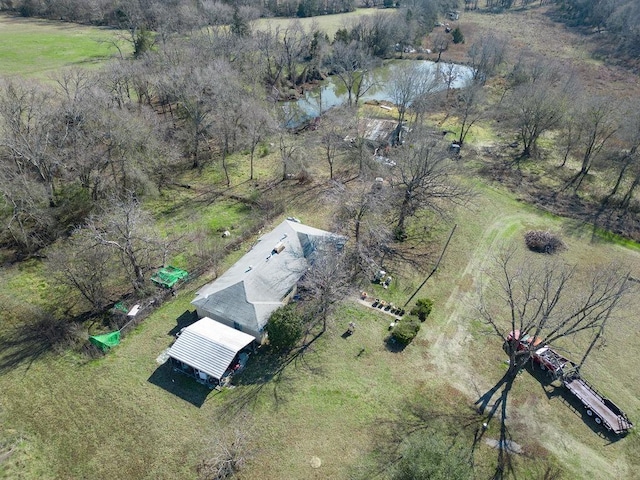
(156, 15)
(79, 154)
(185, 13)
(620, 18)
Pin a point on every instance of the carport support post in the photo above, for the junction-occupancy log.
(434, 268)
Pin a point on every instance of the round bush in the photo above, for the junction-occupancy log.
(406, 330)
(284, 328)
(422, 309)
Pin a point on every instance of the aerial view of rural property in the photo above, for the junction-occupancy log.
(319, 239)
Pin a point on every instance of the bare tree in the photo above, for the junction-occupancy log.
(547, 301)
(570, 133)
(441, 43)
(270, 48)
(538, 102)
(229, 455)
(26, 216)
(325, 285)
(191, 88)
(334, 127)
(423, 179)
(351, 64)
(258, 123)
(449, 73)
(85, 266)
(630, 161)
(363, 207)
(288, 151)
(26, 133)
(409, 82)
(228, 97)
(295, 46)
(599, 122)
(550, 303)
(485, 56)
(128, 230)
(469, 108)
(377, 33)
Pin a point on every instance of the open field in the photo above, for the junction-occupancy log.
(326, 23)
(37, 48)
(533, 30)
(124, 416)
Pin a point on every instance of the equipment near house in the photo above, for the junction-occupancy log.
(379, 276)
(168, 276)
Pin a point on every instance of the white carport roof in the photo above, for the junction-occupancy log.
(209, 346)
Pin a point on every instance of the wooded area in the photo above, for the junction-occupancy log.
(77, 150)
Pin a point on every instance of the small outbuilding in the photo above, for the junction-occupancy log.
(207, 348)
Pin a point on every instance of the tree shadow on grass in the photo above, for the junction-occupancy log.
(268, 372)
(29, 341)
(505, 465)
(393, 346)
(180, 385)
(414, 416)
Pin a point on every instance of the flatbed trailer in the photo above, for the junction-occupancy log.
(603, 411)
(600, 408)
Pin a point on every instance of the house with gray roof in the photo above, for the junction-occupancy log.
(265, 278)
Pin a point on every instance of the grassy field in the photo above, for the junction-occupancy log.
(125, 416)
(326, 23)
(37, 48)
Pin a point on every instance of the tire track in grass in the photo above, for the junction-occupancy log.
(447, 349)
(451, 350)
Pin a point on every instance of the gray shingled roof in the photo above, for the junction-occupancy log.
(209, 346)
(255, 286)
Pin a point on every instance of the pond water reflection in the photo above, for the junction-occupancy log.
(331, 92)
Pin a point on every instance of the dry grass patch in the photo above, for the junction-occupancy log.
(325, 23)
(532, 30)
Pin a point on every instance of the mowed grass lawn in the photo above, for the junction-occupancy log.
(36, 48)
(124, 416)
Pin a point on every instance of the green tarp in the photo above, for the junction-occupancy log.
(106, 341)
(169, 276)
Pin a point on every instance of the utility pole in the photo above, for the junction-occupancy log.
(434, 268)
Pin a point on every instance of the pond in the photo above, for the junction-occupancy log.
(332, 92)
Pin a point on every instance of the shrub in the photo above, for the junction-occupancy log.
(432, 454)
(422, 308)
(457, 35)
(406, 330)
(284, 328)
(543, 242)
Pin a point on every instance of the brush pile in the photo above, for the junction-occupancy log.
(543, 242)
